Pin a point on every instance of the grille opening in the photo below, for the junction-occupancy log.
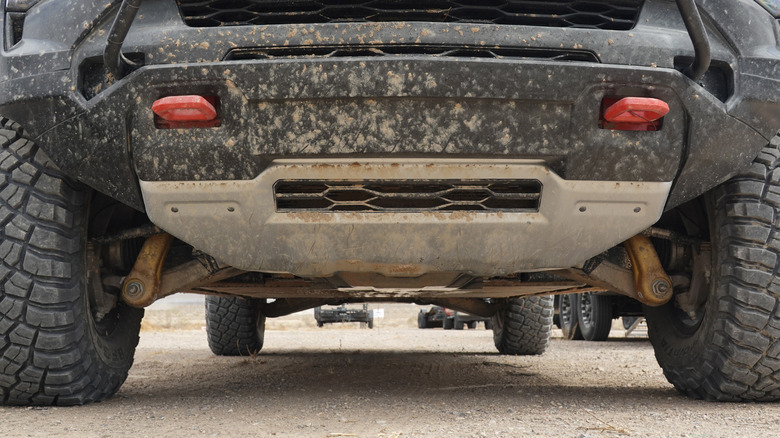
(391, 188)
(461, 207)
(408, 196)
(350, 53)
(14, 28)
(510, 187)
(94, 78)
(408, 203)
(347, 207)
(471, 53)
(503, 204)
(589, 14)
(467, 195)
(346, 195)
(718, 79)
(302, 204)
(396, 50)
(301, 188)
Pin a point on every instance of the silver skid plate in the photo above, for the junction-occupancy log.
(237, 222)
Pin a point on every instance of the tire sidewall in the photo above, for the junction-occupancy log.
(677, 348)
(497, 323)
(567, 316)
(682, 351)
(115, 348)
(597, 326)
(587, 325)
(673, 347)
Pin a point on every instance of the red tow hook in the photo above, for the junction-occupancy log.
(188, 111)
(632, 113)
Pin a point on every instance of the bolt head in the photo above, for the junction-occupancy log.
(661, 287)
(134, 288)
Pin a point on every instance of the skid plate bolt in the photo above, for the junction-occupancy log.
(660, 287)
(134, 289)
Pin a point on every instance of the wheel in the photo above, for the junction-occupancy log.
(234, 326)
(370, 323)
(594, 314)
(64, 339)
(422, 320)
(459, 324)
(448, 323)
(570, 325)
(472, 325)
(719, 338)
(488, 325)
(320, 323)
(522, 326)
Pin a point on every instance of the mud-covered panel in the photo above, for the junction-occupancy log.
(414, 107)
(375, 126)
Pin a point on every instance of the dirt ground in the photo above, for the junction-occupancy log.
(392, 381)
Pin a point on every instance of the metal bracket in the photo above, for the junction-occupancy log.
(142, 285)
(147, 282)
(652, 285)
(646, 281)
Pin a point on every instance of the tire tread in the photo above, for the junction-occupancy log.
(525, 326)
(741, 358)
(232, 326)
(45, 356)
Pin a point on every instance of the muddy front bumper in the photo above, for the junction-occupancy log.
(413, 89)
(412, 106)
(468, 119)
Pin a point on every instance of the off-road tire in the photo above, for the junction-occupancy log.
(522, 326)
(52, 350)
(594, 315)
(422, 320)
(448, 323)
(567, 317)
(732, 351)
(234, 326)
(459, 324)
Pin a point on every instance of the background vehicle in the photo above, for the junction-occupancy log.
(325, 315)
(461, 320)
(436, 316)
(449, 319)
(588, 316)
(477, 156)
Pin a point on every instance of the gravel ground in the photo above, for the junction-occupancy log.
(392, 381)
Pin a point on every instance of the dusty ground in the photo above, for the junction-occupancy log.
(392, 381)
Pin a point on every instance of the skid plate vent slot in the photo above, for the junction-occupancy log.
(589, 14)
(406, 50)
(410, 196)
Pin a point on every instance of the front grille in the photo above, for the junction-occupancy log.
(396, 50)
(409, 196)
(592, 14)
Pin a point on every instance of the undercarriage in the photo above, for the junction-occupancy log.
(281, 156)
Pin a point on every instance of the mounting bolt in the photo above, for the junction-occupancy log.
(661, 287)
(134, 289)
